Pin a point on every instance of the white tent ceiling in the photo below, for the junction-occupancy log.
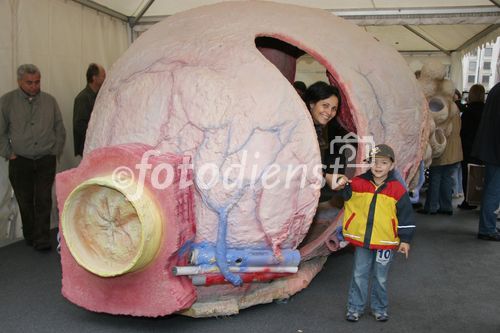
(409, 26)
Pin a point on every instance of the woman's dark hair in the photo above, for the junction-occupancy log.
(319, 91)
(476, 94)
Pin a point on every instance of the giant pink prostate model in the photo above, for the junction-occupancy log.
(188, 157)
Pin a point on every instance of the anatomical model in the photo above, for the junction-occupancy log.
(186, 200)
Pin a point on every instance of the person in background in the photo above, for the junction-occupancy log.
(471, 117)
(300, 87)
(440, 190)
(458, 189)
(457, 98)
(84, 104)
(32, 136)
(378, 219)
(487, 149)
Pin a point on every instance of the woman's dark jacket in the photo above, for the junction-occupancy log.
(471, 117)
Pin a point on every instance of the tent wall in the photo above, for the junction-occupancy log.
(61, 38)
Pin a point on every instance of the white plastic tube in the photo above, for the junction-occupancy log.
(196, 270)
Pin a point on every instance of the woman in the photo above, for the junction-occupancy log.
(471, 117)
(458, 190)
(439, 193)
(323, 101)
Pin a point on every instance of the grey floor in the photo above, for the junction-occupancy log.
(450, 283)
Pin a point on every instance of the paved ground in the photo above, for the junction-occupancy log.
(449, 283)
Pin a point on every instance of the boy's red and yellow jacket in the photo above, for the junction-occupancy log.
(377, 217)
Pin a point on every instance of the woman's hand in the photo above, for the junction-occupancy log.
(337, 181)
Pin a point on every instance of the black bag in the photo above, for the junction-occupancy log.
(475, 184)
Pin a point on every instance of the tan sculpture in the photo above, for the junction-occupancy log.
(439, 93)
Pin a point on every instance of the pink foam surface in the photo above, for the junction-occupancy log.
(152, 291)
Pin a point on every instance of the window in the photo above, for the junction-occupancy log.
(487, 65)
(471, 78)
(488, 52)
(472, 66)
(486, 80)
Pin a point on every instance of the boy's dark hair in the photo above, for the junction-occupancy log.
(319, 91)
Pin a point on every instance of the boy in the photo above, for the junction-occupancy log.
(377, 220)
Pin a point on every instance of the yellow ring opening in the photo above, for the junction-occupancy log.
(108, 234)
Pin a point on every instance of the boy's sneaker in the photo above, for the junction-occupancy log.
(352, 316)
(381, 316)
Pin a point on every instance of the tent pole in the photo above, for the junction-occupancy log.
(427, 40)
(100, 8)
(495, 2)
(478, 36)
(134, 20)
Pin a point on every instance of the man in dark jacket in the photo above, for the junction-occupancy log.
(487, 149)
(84, 103)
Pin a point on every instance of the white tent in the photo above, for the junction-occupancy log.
(62, 37)
(410, 26)
(442, 29)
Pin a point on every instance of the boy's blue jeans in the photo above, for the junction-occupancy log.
(366, 268)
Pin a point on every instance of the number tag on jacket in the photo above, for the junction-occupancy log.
(384, 256)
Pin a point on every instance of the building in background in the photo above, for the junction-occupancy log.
(480, 66)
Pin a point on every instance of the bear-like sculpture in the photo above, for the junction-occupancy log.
(439, 94)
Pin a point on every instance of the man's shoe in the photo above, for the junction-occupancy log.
(352, 316)
(491, 237)
(465, 206)
(426, 212)
(42, 246)
(381, 316)
(445, 212)
(416, 205)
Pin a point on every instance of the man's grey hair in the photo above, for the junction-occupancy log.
(26, 69)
